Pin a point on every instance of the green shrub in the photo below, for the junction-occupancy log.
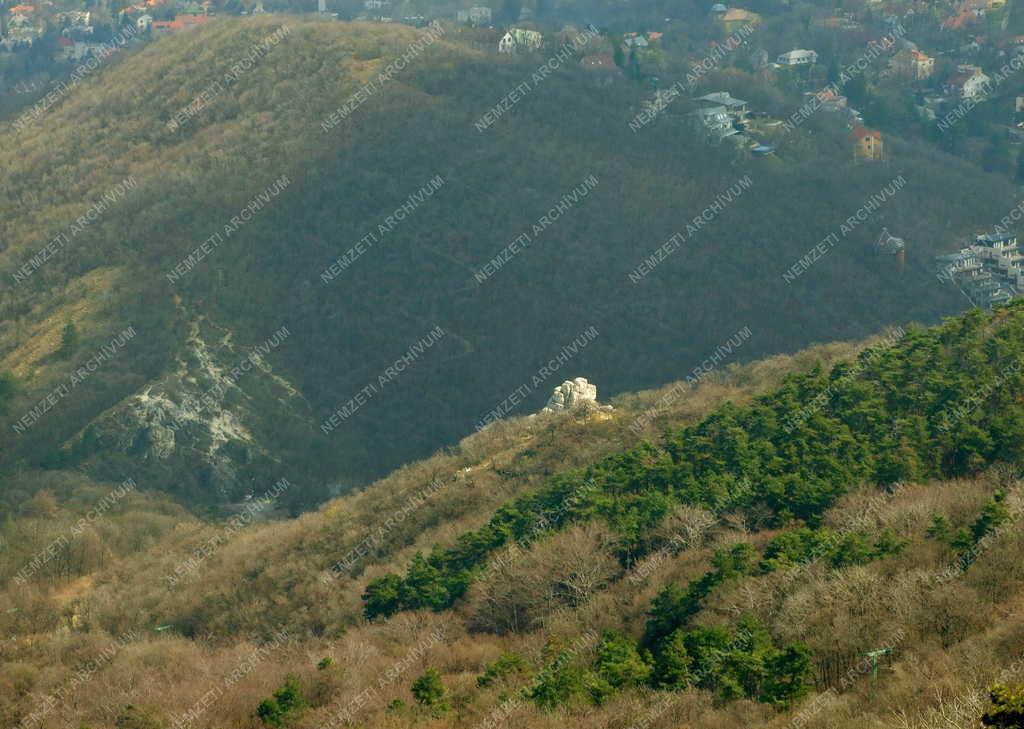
(673, 664)
(68, 340)
(744, 663)
(993, 516)
(507, 664)
(940, 529)
(285, 706)
(558, 684)
(429, 690)
(789, 675)
(382, 596)
(673, 607)
(853, 549)
(793, 547)
(597, 688)
(888, 543)
(619, 663)
(1007, 710)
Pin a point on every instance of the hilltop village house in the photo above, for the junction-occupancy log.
(517, 40)
(735, 18)
(714, 123)
(797, 57)
(867, 144)
(989, 272)
(22, 30)
(737, 108)
(912, 64)
(969, 82)
(75, 23)
(720, 116)
(140, 9)
(829, 101)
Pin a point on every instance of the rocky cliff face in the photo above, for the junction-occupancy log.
(200, 417)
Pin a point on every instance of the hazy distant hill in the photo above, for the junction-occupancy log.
(405, 265)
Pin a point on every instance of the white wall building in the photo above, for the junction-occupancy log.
(517, 40)
(798, 57)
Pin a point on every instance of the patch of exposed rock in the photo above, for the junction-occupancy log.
(197, 413)
(577, 394)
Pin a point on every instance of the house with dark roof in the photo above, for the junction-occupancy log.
(724, 98)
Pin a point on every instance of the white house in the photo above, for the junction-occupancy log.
(75, 21)
(21, 32)
(737, 108)
(144, 23)
(714, 123)
(798, 57)
(976, 87)
(989, 271)
(519, 39)
(970, 82)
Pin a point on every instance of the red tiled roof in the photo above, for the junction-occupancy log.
(18, 9)
(739, 14)
(860, 133)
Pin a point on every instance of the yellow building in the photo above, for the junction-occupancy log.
(868, 143)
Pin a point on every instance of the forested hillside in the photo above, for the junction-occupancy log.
(232, 206)
(687, 581)
(939, 403)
